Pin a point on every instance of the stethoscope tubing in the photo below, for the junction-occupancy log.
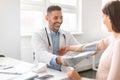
(49, 39)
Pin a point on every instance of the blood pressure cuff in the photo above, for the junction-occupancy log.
(90, 46)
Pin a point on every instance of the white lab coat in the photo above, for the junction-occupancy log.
(44, 52)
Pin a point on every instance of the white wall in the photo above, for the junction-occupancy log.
(26, 49)
(91, 21)
(10, 28)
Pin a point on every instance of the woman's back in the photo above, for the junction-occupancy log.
(109, 67)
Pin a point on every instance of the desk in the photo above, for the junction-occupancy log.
(26, 69)
(58, 75)
(17, 66)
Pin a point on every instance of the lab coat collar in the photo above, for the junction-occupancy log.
(60, 31)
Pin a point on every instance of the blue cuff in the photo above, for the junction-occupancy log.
(53, 60)
(90, 47)
(53, 63)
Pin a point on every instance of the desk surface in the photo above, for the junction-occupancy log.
(9, 65)
(57, 75)
(26, 69)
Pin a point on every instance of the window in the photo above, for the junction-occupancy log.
(32, 14)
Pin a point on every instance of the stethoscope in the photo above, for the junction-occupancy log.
(49, 39)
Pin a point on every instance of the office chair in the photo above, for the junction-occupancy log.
(2, 55)
(33, 56)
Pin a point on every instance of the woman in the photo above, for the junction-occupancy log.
(109, 67)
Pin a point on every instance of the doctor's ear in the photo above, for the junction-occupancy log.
(46, 17)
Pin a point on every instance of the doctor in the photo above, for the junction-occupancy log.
(48, 40)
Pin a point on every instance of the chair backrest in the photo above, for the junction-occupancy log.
(2, 55)
(33, 55)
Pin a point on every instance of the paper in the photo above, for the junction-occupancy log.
(41, 67)
(11, 69)
(74, 58)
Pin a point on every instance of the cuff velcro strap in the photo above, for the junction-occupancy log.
(90, 47)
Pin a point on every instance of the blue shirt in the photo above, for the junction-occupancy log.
(55, 41)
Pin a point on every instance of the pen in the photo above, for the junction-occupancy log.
(8, 67)
(14, 73)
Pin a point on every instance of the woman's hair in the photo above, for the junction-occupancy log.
(112, 9)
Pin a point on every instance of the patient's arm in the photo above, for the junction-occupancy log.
(103, 44)
(93, 46)
(114, 73)
(65, 49)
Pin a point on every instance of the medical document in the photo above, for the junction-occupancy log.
(73, 58)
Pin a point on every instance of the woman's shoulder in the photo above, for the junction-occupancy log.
(117, 41)
(116, 47)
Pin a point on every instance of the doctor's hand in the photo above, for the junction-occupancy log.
(73, 75)
(60, 60)
(63, 50)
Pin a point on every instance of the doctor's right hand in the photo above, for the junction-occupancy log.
(63, 50)
(60, 60)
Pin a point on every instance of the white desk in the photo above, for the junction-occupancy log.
(57, 75)
(26, 70)
(17, 66)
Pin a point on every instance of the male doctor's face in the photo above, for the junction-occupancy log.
(54, 19)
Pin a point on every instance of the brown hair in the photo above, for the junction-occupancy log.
(53, 8)
(112, 9)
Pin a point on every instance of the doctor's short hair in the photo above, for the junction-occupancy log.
(53, 8)
(112, 9)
